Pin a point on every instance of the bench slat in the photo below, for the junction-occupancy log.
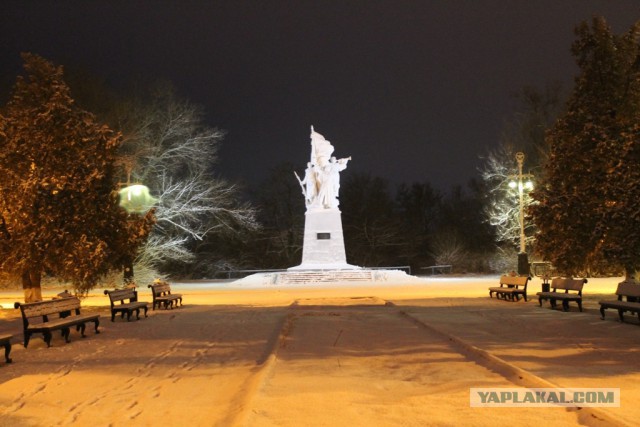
(121, 294)
(45, 308)
(628, 289)
(514, 280)
(64, 321)
(568, 284)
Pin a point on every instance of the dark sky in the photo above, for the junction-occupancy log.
(412, 90)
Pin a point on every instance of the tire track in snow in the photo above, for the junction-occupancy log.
(511, 372)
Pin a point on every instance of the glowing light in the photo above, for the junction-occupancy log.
(528, 185)
(513, 184)
(136, 198)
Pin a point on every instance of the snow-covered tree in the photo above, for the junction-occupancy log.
(58, 200)
(588, 199)
(503, 208)
(168, 148)
(523, 132)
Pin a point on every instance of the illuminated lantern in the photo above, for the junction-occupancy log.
(136, 199)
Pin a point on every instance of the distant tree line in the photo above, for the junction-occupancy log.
(411, 225)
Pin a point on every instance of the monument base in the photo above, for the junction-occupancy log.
(353, 277)
(323, 267)
(323, 246)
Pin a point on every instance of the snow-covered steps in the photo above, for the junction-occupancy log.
(322, 276)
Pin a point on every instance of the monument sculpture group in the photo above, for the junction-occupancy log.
(321, 183)
(323, 247)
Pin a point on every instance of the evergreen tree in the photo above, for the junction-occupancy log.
(369, 222)
(281, 214)
(588, 200)
(58, 201)
(418, 209)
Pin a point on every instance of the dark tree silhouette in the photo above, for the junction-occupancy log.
(58, 199)
(588, 200)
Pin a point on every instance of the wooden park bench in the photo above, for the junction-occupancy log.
(5, 341)
(57, 314)
(511, 287)
(628, 300)
(162, 295)
(565, 290)
(125, 301)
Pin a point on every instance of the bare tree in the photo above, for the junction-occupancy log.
(503, 208)
(523, 132)
(448, 247)
(169, 149)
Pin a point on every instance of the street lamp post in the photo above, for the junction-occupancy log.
(135, 199)
(521, 184)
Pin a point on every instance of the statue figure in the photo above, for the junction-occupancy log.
(321, 183)
(309, 184)
(331, 182)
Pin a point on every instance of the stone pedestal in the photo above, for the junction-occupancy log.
(323, 247)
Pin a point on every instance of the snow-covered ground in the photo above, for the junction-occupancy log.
(400, 352)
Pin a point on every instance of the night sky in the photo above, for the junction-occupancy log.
(412, 90)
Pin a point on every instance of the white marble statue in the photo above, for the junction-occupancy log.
(321, 149)
(330, 188)
(321, 183)
(309, 184)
